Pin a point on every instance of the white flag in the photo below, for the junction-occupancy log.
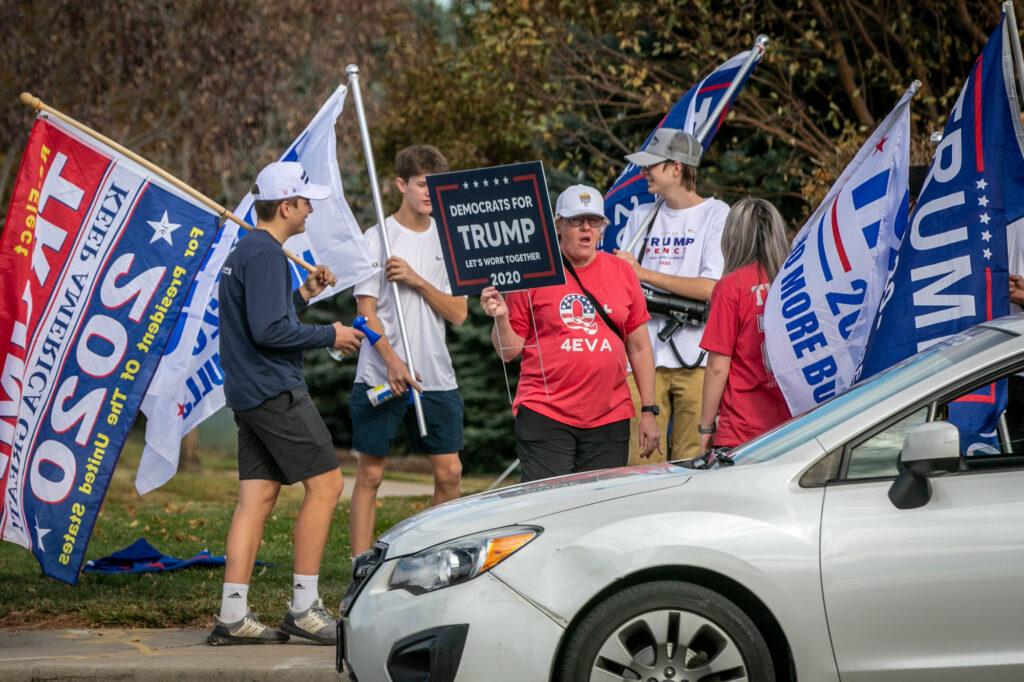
(188, 386)
(823, 302)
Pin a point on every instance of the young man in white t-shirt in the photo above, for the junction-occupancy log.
(680, 254)
(417, 266)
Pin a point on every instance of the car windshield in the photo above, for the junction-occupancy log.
(870, 392)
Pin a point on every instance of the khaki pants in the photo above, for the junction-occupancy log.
(677, 394)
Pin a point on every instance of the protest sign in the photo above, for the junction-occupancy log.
(496, 228)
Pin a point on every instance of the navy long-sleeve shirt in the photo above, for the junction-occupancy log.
(261, 338)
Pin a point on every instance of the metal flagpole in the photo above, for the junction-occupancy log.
(760, 45)
(1018, 60)
(364, 131)
(504, 474)
(37, 104)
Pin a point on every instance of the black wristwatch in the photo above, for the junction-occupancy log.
(653, 409)
(706, 430)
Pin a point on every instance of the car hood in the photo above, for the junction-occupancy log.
(526, 502)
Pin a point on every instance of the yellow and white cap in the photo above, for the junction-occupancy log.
(579, 200)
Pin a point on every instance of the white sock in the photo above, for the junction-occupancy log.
(304, 591)
(234, 602)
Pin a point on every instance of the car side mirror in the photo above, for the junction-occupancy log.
(927, 450)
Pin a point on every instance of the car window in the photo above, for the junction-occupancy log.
(848, 406)
(844, 407)
(879, 454)
(990, 419)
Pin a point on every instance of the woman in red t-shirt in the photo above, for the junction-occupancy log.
(573, 405)
(739, 388)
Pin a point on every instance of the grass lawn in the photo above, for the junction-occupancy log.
(190, 513)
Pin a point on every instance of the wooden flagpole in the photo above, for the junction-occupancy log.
(29, 100)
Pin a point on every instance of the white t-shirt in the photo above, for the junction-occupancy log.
(685, 242)
(422, 250)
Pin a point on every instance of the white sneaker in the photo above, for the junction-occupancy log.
(314, 623)
(249, 630)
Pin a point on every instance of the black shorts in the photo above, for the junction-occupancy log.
(547, 447)
(284, 439)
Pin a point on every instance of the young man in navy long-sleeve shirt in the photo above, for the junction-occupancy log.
(281, 437)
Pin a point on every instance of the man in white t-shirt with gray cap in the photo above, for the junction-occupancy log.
(680, 254)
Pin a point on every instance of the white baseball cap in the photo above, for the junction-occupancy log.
(284, 180)
(579, 200)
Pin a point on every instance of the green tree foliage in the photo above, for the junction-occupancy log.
(210, 91)
(583, 83)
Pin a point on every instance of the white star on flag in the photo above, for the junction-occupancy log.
(40, 534)
(983, 200)
(465, 185)
(984, 218)
(476, 184)
(506, 180)
(486, 184)
(986, 235)
(495, 182)
(162, 229)
(986, 253)
(982, 184)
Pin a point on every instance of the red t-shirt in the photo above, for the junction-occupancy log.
(577, 375)
(752, 402)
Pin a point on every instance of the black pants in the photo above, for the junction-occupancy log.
(549, 448)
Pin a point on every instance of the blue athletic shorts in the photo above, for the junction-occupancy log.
(373, 428)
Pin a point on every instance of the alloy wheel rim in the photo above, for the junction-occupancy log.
(668, 645)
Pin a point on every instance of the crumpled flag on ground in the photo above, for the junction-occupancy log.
(142, 557)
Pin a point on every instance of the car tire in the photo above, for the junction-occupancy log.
(629, 636)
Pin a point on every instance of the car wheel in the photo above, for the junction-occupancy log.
(666, 631)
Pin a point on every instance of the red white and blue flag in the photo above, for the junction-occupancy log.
(689, 114)
(189, 385)
(820, 307)
(98, 256)
(952, 267)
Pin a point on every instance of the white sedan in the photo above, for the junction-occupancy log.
(855, 542)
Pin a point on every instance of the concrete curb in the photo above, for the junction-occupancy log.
(163, 655)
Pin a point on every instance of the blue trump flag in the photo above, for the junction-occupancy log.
(951, 270)
(85, 314)
(689, 114)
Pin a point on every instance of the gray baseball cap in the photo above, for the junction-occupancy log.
(669, 144)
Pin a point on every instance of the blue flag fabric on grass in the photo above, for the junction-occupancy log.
(142, 557)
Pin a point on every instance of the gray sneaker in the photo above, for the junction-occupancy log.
(314, 623)
(249, 630)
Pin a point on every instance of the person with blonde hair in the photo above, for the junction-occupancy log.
(741, 399)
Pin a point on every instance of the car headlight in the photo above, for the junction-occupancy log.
(457, 561)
